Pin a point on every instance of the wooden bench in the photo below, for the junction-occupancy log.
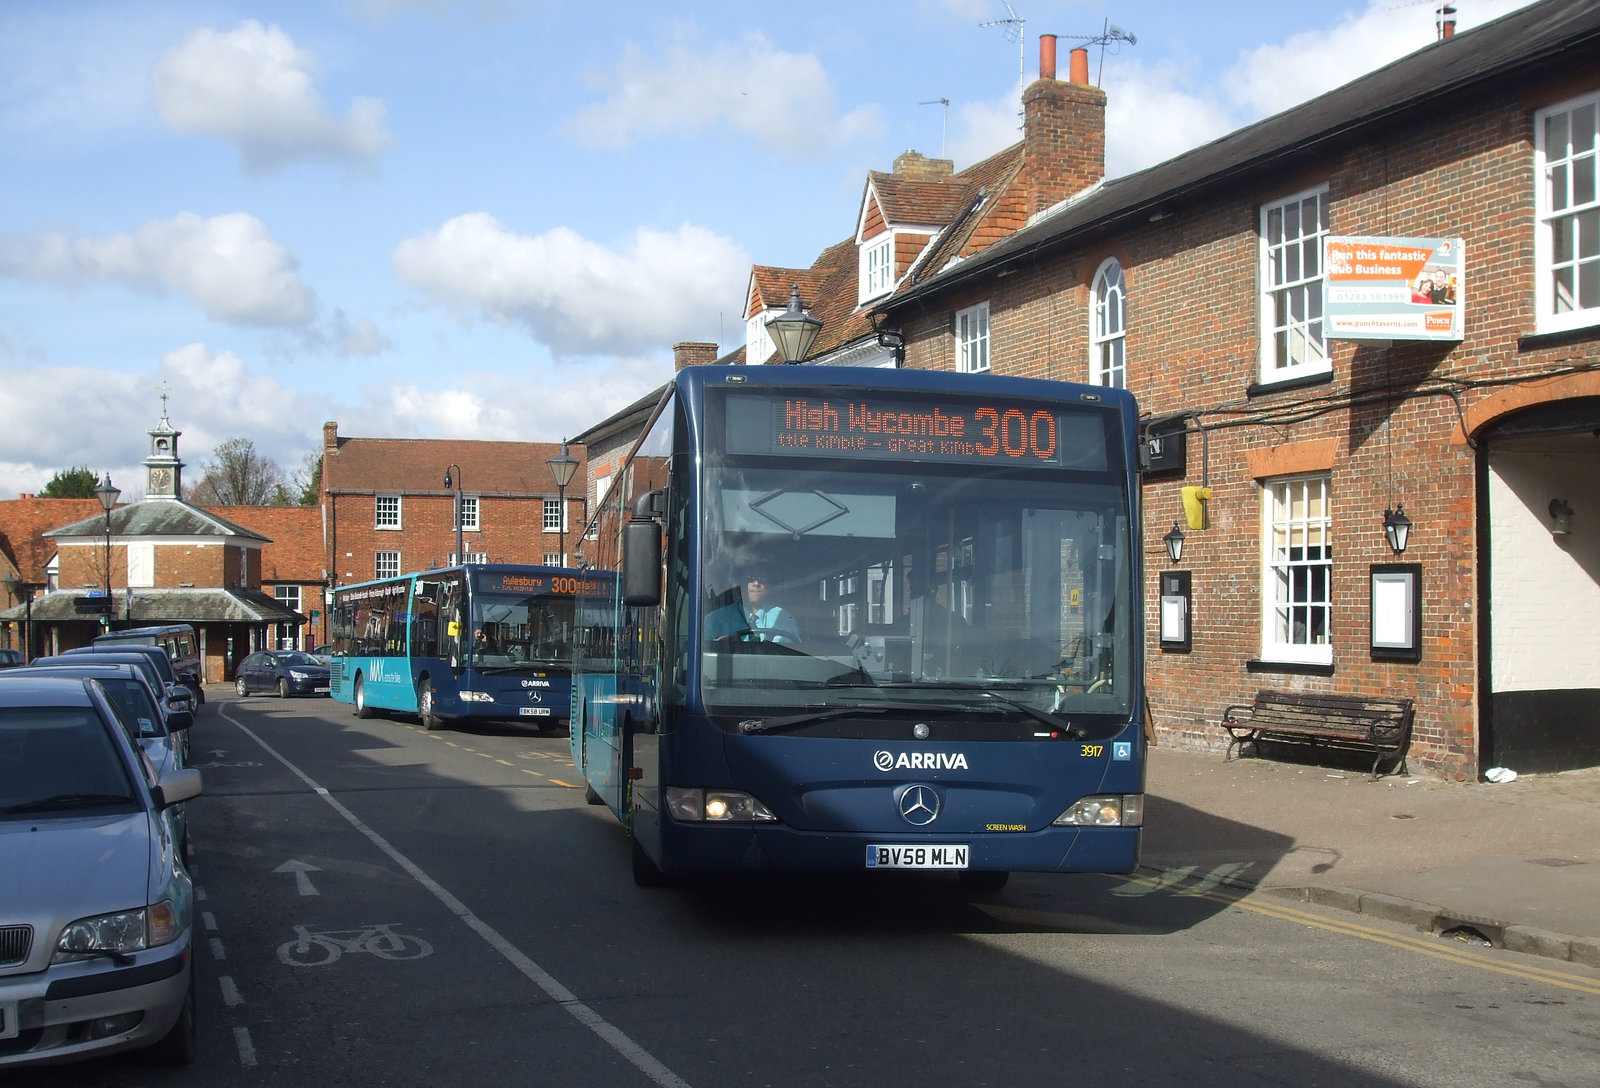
(1380, 724)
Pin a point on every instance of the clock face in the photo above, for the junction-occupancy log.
(160, 478)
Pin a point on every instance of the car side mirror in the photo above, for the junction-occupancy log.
(177, 785)
(178, 720)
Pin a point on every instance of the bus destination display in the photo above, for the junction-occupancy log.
(809, 425)
(539, 584)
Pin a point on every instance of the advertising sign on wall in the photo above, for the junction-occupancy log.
(1394, 288)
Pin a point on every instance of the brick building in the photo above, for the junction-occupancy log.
(386, 508)
(1199, 285)
(157, 561)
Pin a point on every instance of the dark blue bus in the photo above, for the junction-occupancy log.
(482, 641)
(952, 678)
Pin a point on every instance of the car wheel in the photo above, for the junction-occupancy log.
(283, 688)
(241, 687)
(180, 1045)
(428, 707)
(362, 709)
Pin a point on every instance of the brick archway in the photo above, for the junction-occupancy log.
(1546, 390)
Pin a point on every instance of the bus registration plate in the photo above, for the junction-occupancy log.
(918, 856)
(534, 711)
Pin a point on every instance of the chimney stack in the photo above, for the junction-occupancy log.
(690, 353)
(1446, 21)
(1063, 132)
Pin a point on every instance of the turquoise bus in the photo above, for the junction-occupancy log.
(952, 679)
(480, 641)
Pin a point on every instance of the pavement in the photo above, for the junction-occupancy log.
(1515, 863)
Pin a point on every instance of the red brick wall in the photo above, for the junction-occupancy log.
(1192, 344)
(512, 531)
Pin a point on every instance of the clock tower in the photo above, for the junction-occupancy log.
(163, 470)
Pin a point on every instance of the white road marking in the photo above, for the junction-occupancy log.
(247, 1050)
(230, 992)
(218, 953)
(302, 882)
(613, 1036)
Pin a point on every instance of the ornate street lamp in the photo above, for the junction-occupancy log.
(455, 482)
(107, 493)
(794, 330)
(562, 466)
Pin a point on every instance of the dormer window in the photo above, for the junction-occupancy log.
(877, 267)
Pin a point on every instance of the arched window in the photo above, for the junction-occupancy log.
(1108, 364)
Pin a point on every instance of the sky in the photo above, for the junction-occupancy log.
(492, 219)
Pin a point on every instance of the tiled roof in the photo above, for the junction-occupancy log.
(917, 201)
(295, 552)
(1481, 60)
(165, 606)
(417, 466)
(155, 517)
(23, 523)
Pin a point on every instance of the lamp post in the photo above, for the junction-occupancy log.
(107, 493)
(562, 466)
(455, 482)
(1174, 542)
(794, 330)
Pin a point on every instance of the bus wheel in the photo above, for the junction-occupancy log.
(985, 880)
(592, 797)
(362, 709)
(645, 873)
(428, 707)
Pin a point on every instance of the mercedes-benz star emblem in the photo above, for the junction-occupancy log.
(533, 697)
(919, 805)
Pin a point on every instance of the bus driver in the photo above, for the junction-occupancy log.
(752, 619)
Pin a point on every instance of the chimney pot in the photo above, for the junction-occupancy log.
(1047, 56)
(1079, 70)
(1447, 21)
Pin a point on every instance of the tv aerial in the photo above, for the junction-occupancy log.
(944, 125)
(1015, 29)
(1110, 34)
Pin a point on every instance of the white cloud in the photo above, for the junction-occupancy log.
(981, 129)
(577, 296)
(230, 265)
(1154, 116)
(253, 86)
(749, 86)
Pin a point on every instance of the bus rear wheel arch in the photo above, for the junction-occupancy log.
(362, 709)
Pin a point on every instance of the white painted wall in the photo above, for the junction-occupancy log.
(1544, 590)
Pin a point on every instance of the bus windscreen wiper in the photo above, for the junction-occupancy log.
(1043, 717)
(795, 721)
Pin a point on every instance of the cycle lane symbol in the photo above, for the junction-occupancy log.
(318, 948)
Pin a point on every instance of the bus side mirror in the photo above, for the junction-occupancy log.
(641, 563)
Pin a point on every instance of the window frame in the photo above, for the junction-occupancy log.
(287, 636)
(876, 276)
(1102, 336)
(378, 567)
(551, 521)
(1310, 289)
(467, 512)
(966, 340)
(1546, 319)
(378, 522)
(1280, 596)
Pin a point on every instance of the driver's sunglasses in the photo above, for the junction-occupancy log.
(755, 581)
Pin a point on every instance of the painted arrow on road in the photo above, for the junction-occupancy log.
(302, 882)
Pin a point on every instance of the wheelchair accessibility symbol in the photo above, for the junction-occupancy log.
(1121, 750)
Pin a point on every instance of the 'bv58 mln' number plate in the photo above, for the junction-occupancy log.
(946, 856)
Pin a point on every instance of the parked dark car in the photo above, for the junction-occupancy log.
(94, 880)
(11, 658)
(177, 639)
(286, 672)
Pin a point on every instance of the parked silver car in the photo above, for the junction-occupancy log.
(96, 908)
(161, 732)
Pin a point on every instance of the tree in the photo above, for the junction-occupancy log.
(307, 480)
(71, 483)
(237, 475)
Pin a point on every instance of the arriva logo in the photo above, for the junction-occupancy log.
(920, 761)
(536, 683)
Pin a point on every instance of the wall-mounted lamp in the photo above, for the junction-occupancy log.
(1397, 528)
(1560, 517)
(794, 329)
(1174, 542)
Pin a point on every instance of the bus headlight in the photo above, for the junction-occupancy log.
(716, 806)
(1111, 810)
(476, 697)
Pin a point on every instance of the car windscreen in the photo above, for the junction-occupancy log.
(132, 701)
(59, 760)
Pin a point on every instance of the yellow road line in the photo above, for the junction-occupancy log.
(1420, 945)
